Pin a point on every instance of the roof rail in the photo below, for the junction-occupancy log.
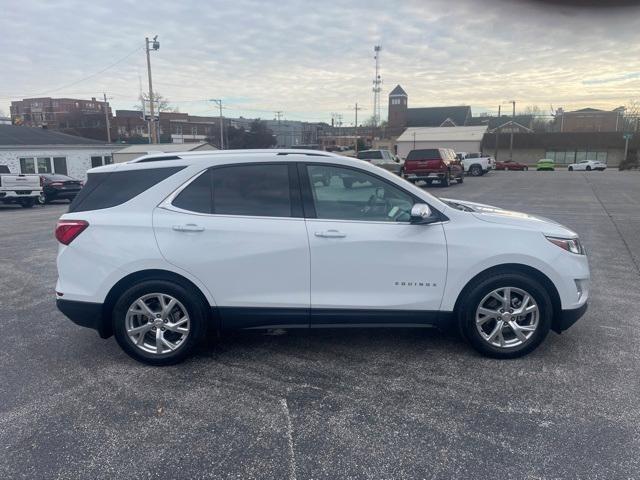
(207, 153)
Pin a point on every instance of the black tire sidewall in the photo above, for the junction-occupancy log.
(195, 309)
(466, 314)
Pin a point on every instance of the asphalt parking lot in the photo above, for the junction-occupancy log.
(377, 404)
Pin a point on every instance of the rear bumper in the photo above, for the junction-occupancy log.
(568, 318)
(422, 175)
(85, 314)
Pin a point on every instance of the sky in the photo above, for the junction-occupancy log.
(309, 59)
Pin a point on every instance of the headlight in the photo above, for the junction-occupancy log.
(572, 245)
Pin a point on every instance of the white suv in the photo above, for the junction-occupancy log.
(159, 249)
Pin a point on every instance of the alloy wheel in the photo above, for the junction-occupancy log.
(157, 323)
(507, 317)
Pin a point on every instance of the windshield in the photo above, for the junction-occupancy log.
(370, 155)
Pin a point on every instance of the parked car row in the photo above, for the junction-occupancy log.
(28, 190)
(441, 165)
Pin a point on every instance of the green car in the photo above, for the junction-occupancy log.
(546, 164)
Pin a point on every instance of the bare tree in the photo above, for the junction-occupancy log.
(632, 115)
(162, 104)
(540, 121)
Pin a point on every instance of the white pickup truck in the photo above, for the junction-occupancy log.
(475, 164)
(18, 188)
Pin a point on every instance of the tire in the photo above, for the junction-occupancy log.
(475, 170)
(446, 181)
(42, 199)
(479, 295)
(570, 169)
(27, 202)
(525, 169)
(186, 302)
(460, 179)
(588, 168)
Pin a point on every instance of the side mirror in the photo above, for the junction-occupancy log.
(420, 213)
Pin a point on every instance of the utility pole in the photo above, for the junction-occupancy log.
(279, 114)
(356, 108)
(495, 157)
(219, 102)
(106, 118)
(513, 122)
(155, 45)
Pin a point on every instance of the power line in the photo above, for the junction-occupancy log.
(82, 79)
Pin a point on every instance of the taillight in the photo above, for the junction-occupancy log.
(68, 230)
(56, 184)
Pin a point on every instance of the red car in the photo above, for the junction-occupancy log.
(511, 165)
(429, 164)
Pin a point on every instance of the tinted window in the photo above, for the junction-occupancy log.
(256, 190)
(425, 154)
(108, 189)
(369, 155)
(96, 162)
(196, 197)
(346, 194)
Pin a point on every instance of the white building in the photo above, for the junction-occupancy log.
(460, 139)
(37, 150)
(134, 151)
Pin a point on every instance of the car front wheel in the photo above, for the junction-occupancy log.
(158, 322)
(506, 315)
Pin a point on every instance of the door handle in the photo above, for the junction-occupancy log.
(331, 234)
(189, 227)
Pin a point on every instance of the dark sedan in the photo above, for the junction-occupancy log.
(511, 165)
(58, 187)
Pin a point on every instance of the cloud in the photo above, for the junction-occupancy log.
(313, 58)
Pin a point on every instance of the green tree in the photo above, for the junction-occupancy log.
(258, 136)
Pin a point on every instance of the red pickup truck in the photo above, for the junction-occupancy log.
(431, 164)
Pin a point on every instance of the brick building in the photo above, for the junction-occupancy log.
(590, 120)
(85, 118)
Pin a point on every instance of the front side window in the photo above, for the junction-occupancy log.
(254, 190)
(346, 194)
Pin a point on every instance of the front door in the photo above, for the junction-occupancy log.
(368, 263)
(239, 230)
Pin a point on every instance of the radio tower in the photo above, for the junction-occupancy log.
(377, 82)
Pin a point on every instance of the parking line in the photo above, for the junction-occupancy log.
(292, 458)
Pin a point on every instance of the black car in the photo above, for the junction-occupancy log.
(58, 187)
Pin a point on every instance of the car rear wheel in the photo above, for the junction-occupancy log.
(446, 180)
(588, 168)
(475, 170)
(159, 322)
(570, 169)
(506, 315)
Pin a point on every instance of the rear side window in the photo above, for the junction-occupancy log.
(254, 190)
(424, 154)
(196, 197)
(109, 189)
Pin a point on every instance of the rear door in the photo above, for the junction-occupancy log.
(239, 230)
(368, 263)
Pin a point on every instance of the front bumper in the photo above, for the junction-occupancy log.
(85, 314)
(568, 318)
